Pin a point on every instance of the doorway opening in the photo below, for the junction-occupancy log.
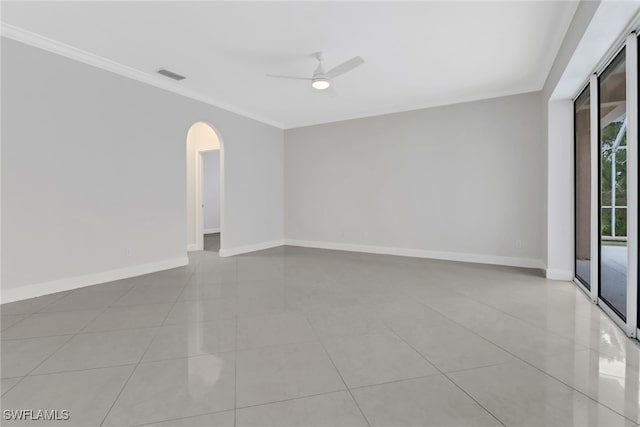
(205, 188)
(210, 161)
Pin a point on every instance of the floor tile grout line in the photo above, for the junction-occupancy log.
(99, 310)
(305, 396)
(490, 365)
(278, 344)
(527, 321)
(45, 359)
(536, 368)
(69, 371)
(115, 308)
(188, 356)
(70, 293)
(231, 351)
(124, 385)
(528, 363)
(419, 377)
(10, 388)
(337, 370)
(145, 277)
(103, 331)
(184, 288)
(33, 312)
(577, 390)
(36, 337)
(127, 292)
(449, 379)
(27, 315)
(75, 310)
(66, 293)
(182, 418)
(70, 337)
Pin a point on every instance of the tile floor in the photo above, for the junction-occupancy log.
(212, 242)
(303, 337)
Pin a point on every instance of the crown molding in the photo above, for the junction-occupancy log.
(370, 114)
(36, 40)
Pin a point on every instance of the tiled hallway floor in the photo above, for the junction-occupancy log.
(212, 242)
(301, 337)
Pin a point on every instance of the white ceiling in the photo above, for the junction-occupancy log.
(417, 54)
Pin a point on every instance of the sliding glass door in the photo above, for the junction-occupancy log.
(613, 185)
(582, 126)
(606, 186)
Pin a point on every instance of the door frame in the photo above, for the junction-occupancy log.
(632, 185)
(630, 323)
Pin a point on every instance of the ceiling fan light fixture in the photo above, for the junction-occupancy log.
(320, 83)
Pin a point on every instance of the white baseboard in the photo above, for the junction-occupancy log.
(211, 230)
(192, 247)
(421, 253)
(556, 274)
(38, 289)
(250, 248)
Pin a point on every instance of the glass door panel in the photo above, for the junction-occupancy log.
(613, 185)
(582, 128)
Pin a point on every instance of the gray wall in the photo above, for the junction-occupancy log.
(466, 178)
(93, 170)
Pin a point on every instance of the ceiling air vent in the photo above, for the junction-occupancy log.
(171, 74)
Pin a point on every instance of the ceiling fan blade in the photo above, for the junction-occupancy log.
(288, 77)
(344, 67)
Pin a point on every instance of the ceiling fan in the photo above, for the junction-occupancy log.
(321, 80)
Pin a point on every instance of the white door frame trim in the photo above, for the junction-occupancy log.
(632, 184)
(613, 315)
(595, 190)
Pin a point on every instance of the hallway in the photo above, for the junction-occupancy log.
(212, 242)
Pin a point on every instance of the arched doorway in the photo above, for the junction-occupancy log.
(202, 138)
